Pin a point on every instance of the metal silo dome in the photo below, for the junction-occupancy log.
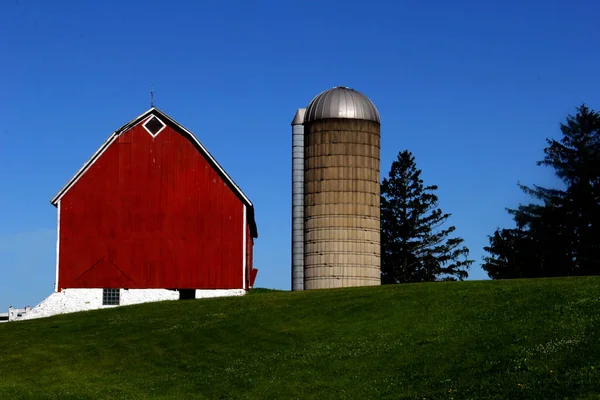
(341, 102)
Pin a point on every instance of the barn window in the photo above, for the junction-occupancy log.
(111, 297)
(154, 125)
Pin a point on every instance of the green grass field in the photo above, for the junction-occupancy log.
(534, 339)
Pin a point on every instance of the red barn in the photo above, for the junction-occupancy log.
(152, 209)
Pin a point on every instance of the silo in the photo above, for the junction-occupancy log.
(341, 191)
(298, 200)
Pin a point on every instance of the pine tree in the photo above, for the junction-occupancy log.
(558, 234)
(535, 248)
(507, 258)
(576, 160)
(414, 245)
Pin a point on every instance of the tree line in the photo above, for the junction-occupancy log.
(556, 234)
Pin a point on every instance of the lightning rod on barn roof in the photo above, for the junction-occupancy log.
(152, 95)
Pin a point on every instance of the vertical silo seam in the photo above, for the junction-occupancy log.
(343, 107)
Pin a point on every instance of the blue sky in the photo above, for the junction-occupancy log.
(472, 88)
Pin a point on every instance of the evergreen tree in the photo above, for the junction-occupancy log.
(414, 245)
(533, 249)
(506, 259)
(558, 234)
(576, 160)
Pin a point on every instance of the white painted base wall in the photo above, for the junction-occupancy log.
(74, 300)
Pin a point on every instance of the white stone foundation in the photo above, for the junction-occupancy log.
(73, 300)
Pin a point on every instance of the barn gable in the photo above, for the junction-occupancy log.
(154, 121)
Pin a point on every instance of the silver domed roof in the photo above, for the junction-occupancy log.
(299, 117)
(341, 102)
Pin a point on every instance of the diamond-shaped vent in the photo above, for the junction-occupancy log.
(154, 126)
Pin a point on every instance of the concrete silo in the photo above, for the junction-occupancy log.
(341, 137)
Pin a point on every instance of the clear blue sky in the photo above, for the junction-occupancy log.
(472, 88)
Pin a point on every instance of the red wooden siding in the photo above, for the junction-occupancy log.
(250, 270)
(151, 213)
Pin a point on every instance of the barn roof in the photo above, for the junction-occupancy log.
(178, 127)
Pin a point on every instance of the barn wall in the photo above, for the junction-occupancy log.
(151, 213)
(249, 258)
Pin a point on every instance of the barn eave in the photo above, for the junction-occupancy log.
(177, 126)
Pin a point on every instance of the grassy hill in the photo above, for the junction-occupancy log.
(470, 340)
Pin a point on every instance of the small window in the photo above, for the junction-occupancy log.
(154, 126)
(111, 297)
